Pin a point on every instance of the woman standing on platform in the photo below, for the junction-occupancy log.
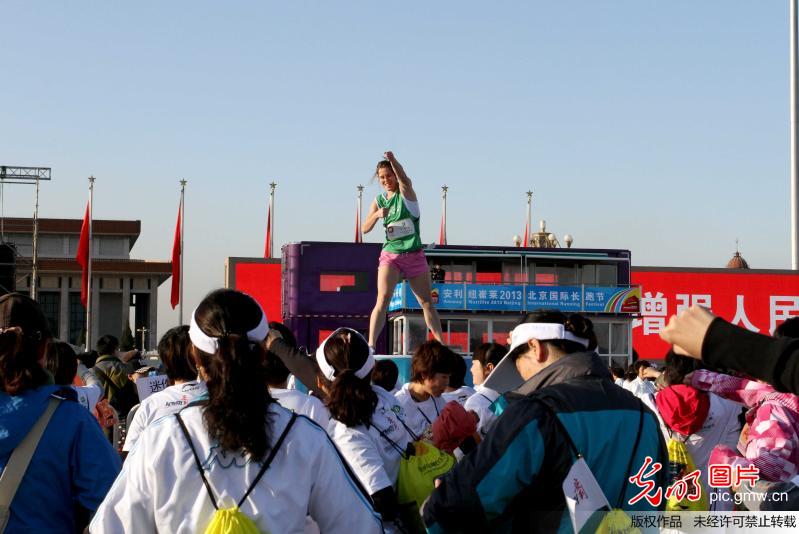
(402, 254)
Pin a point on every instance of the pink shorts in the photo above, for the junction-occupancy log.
(410, 264)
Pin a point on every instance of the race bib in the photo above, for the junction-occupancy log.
(400, 229)
(584, 497)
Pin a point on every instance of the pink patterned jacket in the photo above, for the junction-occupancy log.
(772, 444)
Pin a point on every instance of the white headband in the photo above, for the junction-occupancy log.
(542, 332)
(505, 377)
(209, 344)
(328, 370)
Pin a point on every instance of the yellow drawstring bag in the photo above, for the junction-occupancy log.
(233, 520)
(681, 464)
(418, 472)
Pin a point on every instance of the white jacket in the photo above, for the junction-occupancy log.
(160, 488)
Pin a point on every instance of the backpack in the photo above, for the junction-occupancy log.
(233, 520)
(123, 398)
(591, 511)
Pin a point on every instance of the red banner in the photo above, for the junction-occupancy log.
(758, 300)
(262, 281)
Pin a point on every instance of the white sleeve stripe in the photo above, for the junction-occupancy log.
(412, 206)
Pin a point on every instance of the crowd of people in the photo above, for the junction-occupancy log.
(229, 439)
(234, 445)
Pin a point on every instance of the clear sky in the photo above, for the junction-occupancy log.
(661, 127)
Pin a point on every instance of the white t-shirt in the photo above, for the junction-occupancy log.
(303, 404)
(480, 403)
(160, 489)
(460, 395)
(721, 427)
(639, 387)
(165, 402)
(374, 459)
(419, 416)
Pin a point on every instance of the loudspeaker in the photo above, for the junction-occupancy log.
(8, 267)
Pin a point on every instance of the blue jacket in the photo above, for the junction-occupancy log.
(513, 481)
(73, 465)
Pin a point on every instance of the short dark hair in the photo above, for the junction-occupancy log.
(458, 374)
(429, 359)
(677, 367)
(62, 363)
(385, 374)
(88, 358)
(276, 371)
(107, 345)
(490, 353)
(174, 349)
(790, 328)
(641, 364)
(617, 372)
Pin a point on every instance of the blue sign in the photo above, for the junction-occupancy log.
(396, 298)
(496, 298)
(563, 298)
(521, 298)
(445, 297)
(596, 298)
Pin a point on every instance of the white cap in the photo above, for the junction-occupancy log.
(505, 377)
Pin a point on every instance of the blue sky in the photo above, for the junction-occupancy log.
(661, 127)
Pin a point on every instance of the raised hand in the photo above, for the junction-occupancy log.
(687, 330)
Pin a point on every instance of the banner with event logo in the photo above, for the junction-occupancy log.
(522, 298)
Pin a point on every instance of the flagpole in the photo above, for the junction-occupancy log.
(89, 269)
(794, 136)
(358, 231)
(35, 253)
(182, 229)
(529, 216)
(444, 190)
(272, 187)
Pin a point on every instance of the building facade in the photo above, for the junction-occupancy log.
(121, 286)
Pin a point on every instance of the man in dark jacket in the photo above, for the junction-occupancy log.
(513, 481)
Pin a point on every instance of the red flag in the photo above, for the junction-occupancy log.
(176, 254)
(268, 246)
(526, 242)
(82, 257)
(442, 232)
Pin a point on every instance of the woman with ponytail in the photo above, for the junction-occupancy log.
(72, 464)
(366, 421)
(486, 357)
(235, 451)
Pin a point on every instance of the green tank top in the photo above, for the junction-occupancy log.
(402, 228)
